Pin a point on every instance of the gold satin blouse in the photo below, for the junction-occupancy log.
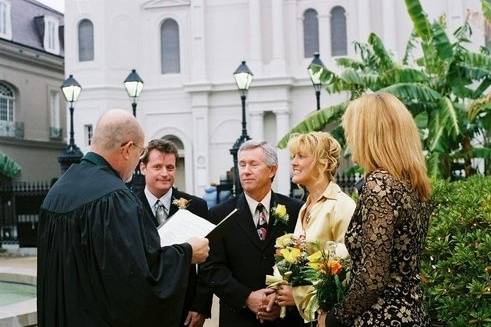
(329, 217)
(328, 220)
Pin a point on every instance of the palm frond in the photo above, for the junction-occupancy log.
(441, 42)
(413, 92)
(383, 56)
(419, 19)
(315, 122)
(450, 114)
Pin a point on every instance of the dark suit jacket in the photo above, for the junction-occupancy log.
(239, 261)
(199, 302)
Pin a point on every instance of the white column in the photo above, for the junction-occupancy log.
(198, 41)
(257, 125)
(389, 25)
(293, 32)
(283, 175)
(200, 141)
(255, 51)
(278, 38)
(363, 20)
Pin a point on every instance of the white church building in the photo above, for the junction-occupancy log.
(187, 50)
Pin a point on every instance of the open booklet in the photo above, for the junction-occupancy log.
(184, 224)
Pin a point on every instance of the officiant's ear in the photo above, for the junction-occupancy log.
(125, 149)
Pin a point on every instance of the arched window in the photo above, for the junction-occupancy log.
(5, 20)
(170, 53)
(7, 102)
(85, 40)
(310, 33)
(339, 42)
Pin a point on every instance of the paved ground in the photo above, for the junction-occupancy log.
(27, 266)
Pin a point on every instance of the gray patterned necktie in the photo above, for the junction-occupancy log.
(160, 212)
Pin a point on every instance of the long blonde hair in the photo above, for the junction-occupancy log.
(382, 135)
(322, 146)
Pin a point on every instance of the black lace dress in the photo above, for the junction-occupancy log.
(385, 239)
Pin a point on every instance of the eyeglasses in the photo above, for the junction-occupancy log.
(143, 150)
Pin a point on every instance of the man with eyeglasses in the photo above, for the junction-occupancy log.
(159, 164)
(99, 261)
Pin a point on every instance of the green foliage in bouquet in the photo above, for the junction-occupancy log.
(456, 263)
(332, 265)
(291, 259)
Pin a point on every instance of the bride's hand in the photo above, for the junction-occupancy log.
(321, 320)
(285, 296)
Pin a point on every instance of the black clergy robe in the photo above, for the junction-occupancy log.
(99, 262)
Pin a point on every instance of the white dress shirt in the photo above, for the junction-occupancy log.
(266, 201)
(166, 200)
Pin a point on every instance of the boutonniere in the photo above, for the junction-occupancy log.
(181, 203)
(280, 214)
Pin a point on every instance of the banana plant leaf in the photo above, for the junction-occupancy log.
(8, 167)
(441, 42)
(486, 9)
(315, 121)
(420, 20)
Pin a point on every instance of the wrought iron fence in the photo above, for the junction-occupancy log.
(19, 208)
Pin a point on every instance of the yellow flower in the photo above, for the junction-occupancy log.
(291, 255)
(315, 257)
(280, 210)
(280, 213)
(315, 265)
(284, 241)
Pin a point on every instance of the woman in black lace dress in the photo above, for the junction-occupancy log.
(387, 232)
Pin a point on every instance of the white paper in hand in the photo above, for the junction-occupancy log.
(182, 226)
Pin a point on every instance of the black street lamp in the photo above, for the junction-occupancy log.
(243, 78)
(315, 70)
(71, 154)
(133, 85)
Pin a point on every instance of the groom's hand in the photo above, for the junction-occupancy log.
(257, 299)
(200, 249)
(195, 319)
(269, 310)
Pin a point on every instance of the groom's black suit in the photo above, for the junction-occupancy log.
(195, 301)
(239, 262)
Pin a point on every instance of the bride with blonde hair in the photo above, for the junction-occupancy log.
(327, 212)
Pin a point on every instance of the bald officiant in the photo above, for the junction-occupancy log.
(99, 261)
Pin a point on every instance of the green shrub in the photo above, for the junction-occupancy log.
(456, 263)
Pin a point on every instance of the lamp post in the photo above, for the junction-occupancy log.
(315, 70)
(71, 154)
(133, 85)
(243, 78)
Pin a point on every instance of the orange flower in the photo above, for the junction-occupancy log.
(334, 266)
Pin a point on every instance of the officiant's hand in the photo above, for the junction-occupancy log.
(200, 249)
(285, 296)
(195, 319)
(257, 299)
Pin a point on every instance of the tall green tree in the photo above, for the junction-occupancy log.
(443, 84)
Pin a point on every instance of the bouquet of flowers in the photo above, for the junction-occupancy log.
(291, 258)
(318, 273)
(332, 265)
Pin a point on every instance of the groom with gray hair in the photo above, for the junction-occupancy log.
(239, 262)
